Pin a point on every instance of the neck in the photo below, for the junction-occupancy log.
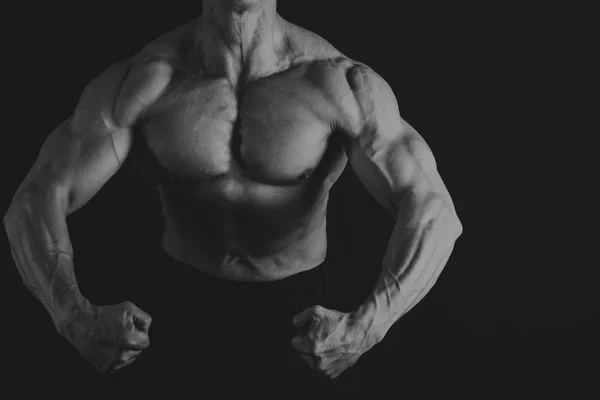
(241, 36)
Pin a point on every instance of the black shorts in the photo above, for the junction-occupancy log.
(234, 338)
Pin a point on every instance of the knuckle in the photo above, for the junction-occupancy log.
(127, 356)
(128, 362)
(128, 338)
(139, 342)
(127, 305)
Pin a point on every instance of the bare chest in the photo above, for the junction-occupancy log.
(272, 131)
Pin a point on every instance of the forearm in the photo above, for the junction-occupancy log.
(37, 231)
(420, 246)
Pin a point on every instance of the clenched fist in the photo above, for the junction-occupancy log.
(331, 341)
(109, 337)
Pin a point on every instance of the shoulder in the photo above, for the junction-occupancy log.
(342, 75)
(361, 96)
(164, 50)
(121, 92)
(150, 71)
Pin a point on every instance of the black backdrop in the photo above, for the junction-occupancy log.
(506, 98)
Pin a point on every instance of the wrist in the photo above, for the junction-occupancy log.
(369, 316)
(70, 307)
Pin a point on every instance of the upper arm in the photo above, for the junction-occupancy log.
(387, 154)
(83, 152)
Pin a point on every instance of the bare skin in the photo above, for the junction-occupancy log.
(249, 121)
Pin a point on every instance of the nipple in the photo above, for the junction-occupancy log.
(306, 173)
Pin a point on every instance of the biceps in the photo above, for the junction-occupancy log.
(93, 162)
(396, 169)
(413, 165)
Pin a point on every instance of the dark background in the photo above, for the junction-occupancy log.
(507, 100)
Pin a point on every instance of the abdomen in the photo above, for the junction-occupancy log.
(259, 230)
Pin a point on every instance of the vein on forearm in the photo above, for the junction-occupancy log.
(44, 265)
(416, 255)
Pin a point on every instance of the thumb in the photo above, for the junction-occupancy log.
(303, 317)
(141, 320)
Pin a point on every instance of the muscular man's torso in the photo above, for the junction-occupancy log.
(244, 170)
